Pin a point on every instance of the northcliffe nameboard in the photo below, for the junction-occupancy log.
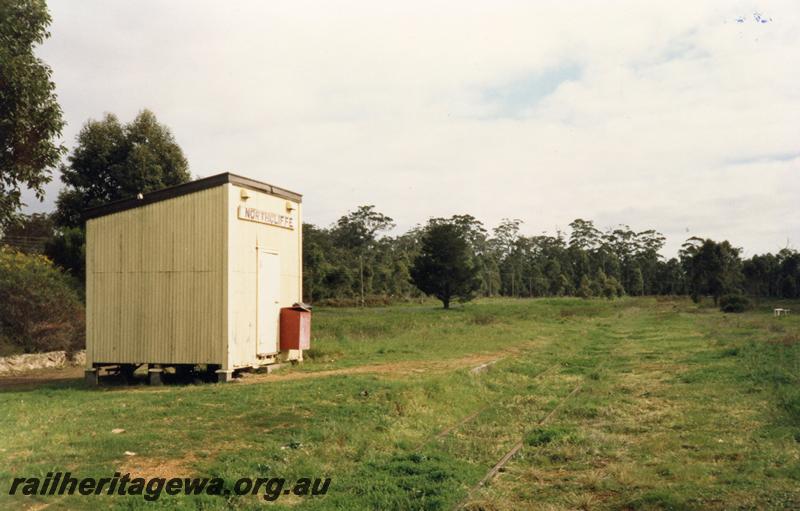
(266, 217)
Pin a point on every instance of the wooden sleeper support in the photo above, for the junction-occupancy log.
(154, 374)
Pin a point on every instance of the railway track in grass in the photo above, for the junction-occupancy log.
(474, 415)
(509, 455)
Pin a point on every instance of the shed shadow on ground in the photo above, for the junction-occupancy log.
(72, 378)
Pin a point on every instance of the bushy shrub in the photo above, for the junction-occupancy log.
(369, 301)
(545, 435)
(612, 288)
(39, 308)
(734, 303)
(585, 289)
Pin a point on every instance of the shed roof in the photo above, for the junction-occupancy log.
(187, 188)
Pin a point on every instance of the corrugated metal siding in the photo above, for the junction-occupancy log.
(156, 282)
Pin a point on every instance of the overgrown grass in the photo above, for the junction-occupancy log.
(678, 407)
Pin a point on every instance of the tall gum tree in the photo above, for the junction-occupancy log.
(30, 116)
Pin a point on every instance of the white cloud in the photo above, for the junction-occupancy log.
(669, 116)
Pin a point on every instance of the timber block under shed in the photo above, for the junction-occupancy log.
(91, 378)
(224, 376)
(154, 376)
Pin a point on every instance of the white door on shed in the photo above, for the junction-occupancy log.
(269, 292)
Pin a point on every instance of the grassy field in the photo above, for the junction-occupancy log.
(632, 404)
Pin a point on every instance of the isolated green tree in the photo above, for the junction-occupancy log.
(30, 117)
(445, 267)
(486, 258)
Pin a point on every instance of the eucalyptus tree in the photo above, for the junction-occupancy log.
(356, 234)
(712, 268)
(112, 161)
(30, 116)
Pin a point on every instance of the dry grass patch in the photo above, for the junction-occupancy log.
(168, 468)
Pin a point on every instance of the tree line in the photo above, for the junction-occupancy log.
(355, 261)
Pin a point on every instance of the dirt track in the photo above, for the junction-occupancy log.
(394, 368)
(41, 377)
(71, 374)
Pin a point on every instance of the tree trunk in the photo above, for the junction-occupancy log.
(361, 272)
(446, 302)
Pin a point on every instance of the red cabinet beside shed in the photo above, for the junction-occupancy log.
(295, 328)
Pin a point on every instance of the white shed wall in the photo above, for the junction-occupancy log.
(245, 239)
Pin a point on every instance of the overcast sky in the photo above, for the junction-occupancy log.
(674, 116)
